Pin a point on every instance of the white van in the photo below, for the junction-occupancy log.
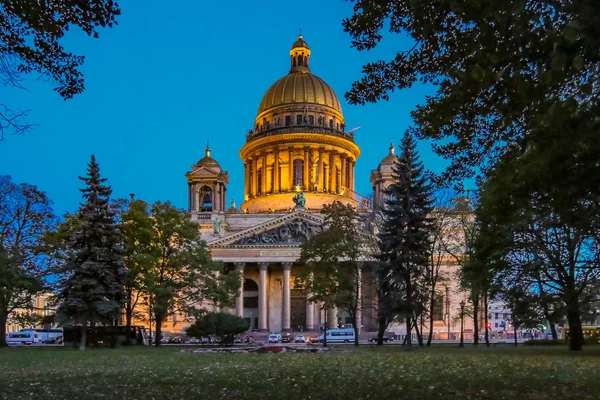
(339, 336)
(275, 338)
(22, 338)
(52, 335)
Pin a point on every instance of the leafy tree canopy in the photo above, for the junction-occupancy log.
(223, 325)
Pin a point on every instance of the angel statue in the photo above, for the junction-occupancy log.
(217, 226)
(299, 199)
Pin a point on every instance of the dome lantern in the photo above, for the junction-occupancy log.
(299, 56)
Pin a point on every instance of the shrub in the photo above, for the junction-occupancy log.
(544, 342)
(222, 325)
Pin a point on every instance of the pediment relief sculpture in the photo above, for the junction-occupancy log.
(294, 232)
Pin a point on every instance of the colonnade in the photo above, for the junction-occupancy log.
(263, 323)
(333, 171)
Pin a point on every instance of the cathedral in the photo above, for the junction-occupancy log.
(298, 157)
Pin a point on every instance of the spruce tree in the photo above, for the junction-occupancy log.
(405, 234)
(92, 276)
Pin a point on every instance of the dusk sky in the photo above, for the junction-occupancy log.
(167, 79)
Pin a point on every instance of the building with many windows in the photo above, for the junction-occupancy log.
(298, 144)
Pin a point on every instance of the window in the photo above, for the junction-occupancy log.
(300, 61)
(496, 325)
(496, 316)
(311, 120)
(298, 172)
(298, 119)
(259, 187)
(331, 123)
(288, 120)
(347, 183)
(294, 61)
(438, 307)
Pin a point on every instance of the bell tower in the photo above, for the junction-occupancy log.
(207, 188)
(382, 177)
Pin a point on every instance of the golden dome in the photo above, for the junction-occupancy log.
(208, 161)
(299, 87)
(388, 160)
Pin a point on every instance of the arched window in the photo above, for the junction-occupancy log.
(250, 293)
(294, 63)
(298, 172)
(206, 199)
(300, 61)
(438, 307)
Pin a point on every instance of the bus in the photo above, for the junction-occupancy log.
(339, 336)
(22, 338)
(47, 336)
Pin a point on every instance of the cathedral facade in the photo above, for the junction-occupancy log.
(298, 157)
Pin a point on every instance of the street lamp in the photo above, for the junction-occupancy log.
(462, 323)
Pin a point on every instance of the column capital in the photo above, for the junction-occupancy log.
(239, 265)
(263, 266)
(287, 266)
(321, 149)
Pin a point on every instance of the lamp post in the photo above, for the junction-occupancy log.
(462, 323)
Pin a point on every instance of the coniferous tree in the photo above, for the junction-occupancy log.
(90, 288)
(405, 233)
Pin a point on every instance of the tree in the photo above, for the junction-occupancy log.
(182, 275)
(506, 74)
(537, 237)
(406, 231)
(90, 283)
(220, 324)
(332, 261)
(137, 231)
(30, 42)
(25, 215)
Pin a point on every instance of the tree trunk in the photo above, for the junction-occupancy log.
(419, 335)
(381, 330)
(128, 318)
(485, 309)
(475, 320)
(553, 330)
(574, 319)
(408, 332)
(431, 307)
(515, 333)
(158, 328)
(82, 341)
(353, 316)
(3, 321)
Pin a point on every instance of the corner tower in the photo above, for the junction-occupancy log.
(207, 187)
(298, 143)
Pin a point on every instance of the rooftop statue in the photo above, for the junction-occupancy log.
(299, 199)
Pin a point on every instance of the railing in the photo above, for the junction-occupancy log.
(252, 135)
(364, 203)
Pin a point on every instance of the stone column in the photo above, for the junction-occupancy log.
(197, 195)
(291, 168)
(246, 179)
(344, 178)
(223, 197)
(254, 182)
(287, 297)
(351, 169)
(264, 174)
(338, 180)
(332, 318)
(262, 297)
(321, 171)
(306, 174)
(276, 171)
(239, 301)
(331, 185)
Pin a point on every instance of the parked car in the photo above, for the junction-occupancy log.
(164, 340)
(237, 340)
(275, 338)
(313, 339)
(194, 341)
(286, 339)
(385, 339)
(299, 339)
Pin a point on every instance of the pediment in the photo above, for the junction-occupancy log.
(287, 231)
(204, 171)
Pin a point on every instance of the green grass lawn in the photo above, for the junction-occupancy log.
(368, 373)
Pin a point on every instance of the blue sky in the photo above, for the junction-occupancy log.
(168, 78)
